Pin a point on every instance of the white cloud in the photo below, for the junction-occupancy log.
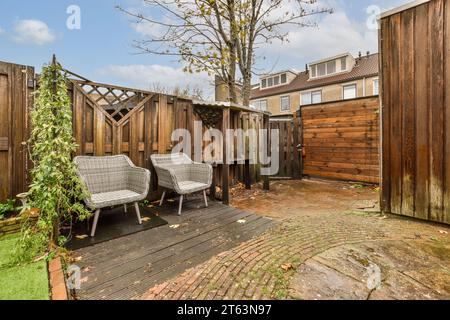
(2, 31)
(32, 32)
(148, 29)
(336, 33)
(148, 77)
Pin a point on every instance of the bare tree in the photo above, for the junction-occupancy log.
(221, 36)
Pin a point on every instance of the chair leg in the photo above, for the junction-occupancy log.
(138, 213)
(94, 225)
(162, 198)
(206, 199)
(125, 208)
(180, 205)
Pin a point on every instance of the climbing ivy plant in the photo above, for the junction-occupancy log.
(55, 190)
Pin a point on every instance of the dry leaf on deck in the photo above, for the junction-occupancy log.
(174, 226)
(81, 236)
(242, 221)
(443, 232)
(146, 219)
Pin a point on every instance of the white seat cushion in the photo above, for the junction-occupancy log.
(192, 186)
(108, 199)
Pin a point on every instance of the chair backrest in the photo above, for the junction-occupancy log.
(103, 174)
(171, 159)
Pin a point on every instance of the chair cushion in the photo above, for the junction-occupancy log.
(113, 198)
(191, 186)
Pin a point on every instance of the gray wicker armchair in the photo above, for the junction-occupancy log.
(179, 173)
(112, 181)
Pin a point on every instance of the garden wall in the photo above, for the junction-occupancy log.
(341, 139)
(415, 65)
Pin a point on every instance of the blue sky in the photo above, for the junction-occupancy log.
(31, 31)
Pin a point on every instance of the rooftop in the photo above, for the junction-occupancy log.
(366, 66)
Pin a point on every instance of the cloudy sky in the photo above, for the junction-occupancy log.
(101, 49)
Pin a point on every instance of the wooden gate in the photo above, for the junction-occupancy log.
(414, 45)
(289, 155)
(341, 140)
(16, 85)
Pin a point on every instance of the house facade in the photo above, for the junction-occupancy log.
(335, 78)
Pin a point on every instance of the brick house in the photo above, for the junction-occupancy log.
(331, 79)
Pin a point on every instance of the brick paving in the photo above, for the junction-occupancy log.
(263, 268)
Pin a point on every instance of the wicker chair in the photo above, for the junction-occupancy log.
(112, 181)
(179, 173)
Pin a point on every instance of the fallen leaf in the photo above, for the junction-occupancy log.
(174, 226)
(78, 258)
(81, 236)
(242, 221)
(150, 206)
(146, 219)
(287, 266)
(443, 232)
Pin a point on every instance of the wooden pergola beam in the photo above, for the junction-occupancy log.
(225, 167)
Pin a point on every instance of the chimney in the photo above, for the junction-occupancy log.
(359, 55)
(306, 67)
(368, 53)
(221, 90)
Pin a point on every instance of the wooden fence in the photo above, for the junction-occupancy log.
(341, 139)
(415, 69)
(290, 158)
(16, 84)
(109, 120)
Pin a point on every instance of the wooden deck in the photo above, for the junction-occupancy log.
(127, 267)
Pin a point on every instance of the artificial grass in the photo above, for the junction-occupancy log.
(25, 282)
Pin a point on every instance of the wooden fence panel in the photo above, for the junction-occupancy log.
(289, 159)
(416, 111)
(16, 85)
(341, 140)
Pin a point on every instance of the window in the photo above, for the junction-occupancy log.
(311, 97)
(270, 82)
(276, 81)
(264, 83)
(343, 64)
(331, 67)
(349, 92)
(313, 71)
(375, 87)
(283, 78)
(316, 97)
(263, 105)
(306, 98)
(321, 70)
(285, 103)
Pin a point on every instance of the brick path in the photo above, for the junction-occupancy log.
(263, 267)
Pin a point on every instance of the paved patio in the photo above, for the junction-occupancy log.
(331, 244)
(125, 268)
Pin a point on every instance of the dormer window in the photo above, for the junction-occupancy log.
(274, 81)
(344, 64)
(331, 66)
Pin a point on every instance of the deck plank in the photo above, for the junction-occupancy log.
(127, 267)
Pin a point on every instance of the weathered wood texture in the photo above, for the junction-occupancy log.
(16, 86)
(289, 157)
(341, 140)
(415, 69)
(112, 120)
(127, 267)
(107, 120)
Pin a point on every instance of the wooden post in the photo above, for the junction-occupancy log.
(247, 175)
(266, 126)
(225, 166)
(212, 189)
(297, 146)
